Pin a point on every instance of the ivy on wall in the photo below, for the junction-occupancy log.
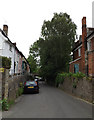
(61, 76)
(5, 62)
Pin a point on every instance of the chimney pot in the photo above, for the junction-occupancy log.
(5, 29)
(14, 44)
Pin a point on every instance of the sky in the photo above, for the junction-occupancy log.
(25, 17)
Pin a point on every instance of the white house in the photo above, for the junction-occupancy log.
(8, 49)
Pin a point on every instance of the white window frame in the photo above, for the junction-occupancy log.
(89, 45)
(79, 52)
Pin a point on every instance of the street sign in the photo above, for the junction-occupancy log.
(1, 69)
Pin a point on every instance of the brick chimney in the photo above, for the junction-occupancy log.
(84, 34)
(14, 44)
(5, 29)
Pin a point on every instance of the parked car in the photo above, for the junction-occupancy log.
(31, 87)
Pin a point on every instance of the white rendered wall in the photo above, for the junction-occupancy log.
(4, 51)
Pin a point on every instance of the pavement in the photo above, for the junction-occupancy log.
(51, 102)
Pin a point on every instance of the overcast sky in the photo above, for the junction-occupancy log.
(25, 17)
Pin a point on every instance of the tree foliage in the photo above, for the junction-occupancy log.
(33, 57)
(55, 45)
(32, 63)
(57, 39)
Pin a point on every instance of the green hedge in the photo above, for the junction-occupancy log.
(61, 76)
(5, 62)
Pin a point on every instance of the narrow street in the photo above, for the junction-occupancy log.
(49, 103)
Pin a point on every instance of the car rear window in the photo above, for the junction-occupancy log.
(30, 82)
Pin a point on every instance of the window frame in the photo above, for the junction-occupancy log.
(79, 52)
(89, 45)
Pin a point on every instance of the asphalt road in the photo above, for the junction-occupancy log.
(49, 103)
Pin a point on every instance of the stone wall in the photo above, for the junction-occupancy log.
(10, 84)
(84, 88)
(0, 85)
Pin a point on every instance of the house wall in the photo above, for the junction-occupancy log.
(20, 64)
(13, 53)
(75, 53)
(28, 69)
(91, 59)
(6, 52)
(16, 61)
(79, 62)
(76, 60)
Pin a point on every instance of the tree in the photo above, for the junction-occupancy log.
(33, 58)
(32, 63)
(55, 45)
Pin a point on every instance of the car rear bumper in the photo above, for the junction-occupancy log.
(31, 90)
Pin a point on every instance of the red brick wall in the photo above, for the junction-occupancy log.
(75, 54)
(81, 62)
(71, 68)
(92, 43)
(93, 64)
(91, 59)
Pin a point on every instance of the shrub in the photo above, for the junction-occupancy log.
(19, 92)
(78, 75)
(59, 79)
(61, 76)
(4, 104)
(5, 62)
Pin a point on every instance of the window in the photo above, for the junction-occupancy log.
(0, 45)
(79, 52)
(76, 68)
(89, 45)
(10, 48)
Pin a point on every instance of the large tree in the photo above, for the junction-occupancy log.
(55, 45)
(57, 39)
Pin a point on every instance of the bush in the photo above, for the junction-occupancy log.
(61, 76)
(5, 62)
(4, 104)
(59, 79)
(78, 75)
(19, 92)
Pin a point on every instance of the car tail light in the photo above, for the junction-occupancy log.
(36, 83)
(25, 83)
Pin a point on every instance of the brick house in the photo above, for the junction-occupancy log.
(83, 52)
